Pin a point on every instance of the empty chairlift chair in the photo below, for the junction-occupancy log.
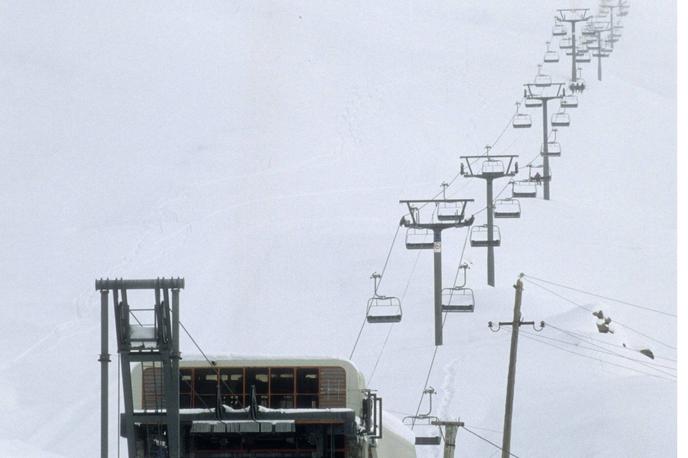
(524, 189)
(541, 79)
(566, 43)
(431, 434)
(419, 239)
(553, 146)
(382, 309)
(458, 298)
(559, 30)
(507, 208)
(480, 236)
(449, 211)
(561, 119)
(584, 57)
(532, 103)
(569, 101)
(551, 56)
(521, 120)
(492, 167)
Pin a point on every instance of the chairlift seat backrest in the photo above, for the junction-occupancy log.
(457, 299)
(524, 189)
(419, 239)
(507, 208)
(569, 101)
(480, 236)
(492, 166)
(449, 211)
(383, 309)
(561, 119)
(533, 103)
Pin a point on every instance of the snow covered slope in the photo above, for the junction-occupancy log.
(259, 150)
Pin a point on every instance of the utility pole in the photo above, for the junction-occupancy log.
(104, 362)
(531, 92)
(511, 378)
(573, 16)
(445, 220)
(491, 168)
(450, 430)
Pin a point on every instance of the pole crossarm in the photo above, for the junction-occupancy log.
(118, 284)
(532, 91)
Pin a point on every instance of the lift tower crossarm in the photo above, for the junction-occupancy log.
(556, 91)
(489, 174)
(573, 16)
(436, 227)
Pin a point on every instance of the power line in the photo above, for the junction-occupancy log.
(591, 311)
(599, 360)
(607, 352)
(649, 309)
(488, 441)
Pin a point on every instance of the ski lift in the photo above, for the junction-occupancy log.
(551, 56)
(559, 30)
(541, 79)
(521, 120)
(382, 309)
(569, 101)
(561, 119)
(419, 239)
(480, 236)
(524, 189)
(424, 421)
(566, 43)
(553, 146)
(578, 85)
(507, 208)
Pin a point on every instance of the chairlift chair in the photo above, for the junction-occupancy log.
(584, 58)
(532, 103)
(553, 146)
(551, 56)
(382, 309)
(524, 189)
(492, 167)
(449, 211)
(569, 101)
(458, 299)
(425, 420)
(521, 120)
(507, 208)
(541, 79)
(566, 43)
(561, 119)
(559, 30)
(479, 236)
(419, 239)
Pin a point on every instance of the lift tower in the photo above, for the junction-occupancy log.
(622, 6)
(595, 31)
(152, 337)
(449, 214)
(491, 168)
(573, 16)
(554, 91)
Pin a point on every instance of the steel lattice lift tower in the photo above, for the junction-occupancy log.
(492, 168)
(450, 214)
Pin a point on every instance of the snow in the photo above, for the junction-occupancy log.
(259, 150)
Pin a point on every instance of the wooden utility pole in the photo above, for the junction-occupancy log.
(450, 430)
(511, 378)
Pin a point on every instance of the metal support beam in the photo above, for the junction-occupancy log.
(437, 263)
(545, 150)
(490, 234)
(511, 378)
(104, 361)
